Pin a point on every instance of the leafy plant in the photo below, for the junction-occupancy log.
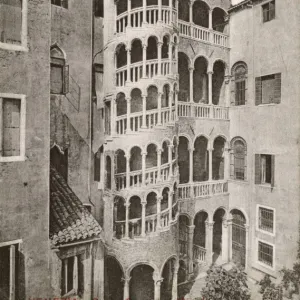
(265, 283)
(273, 293)
(226, 285)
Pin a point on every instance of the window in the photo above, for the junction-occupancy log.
(59, 74)
(238, 159)
(265, 254)
(99, 11)
(266, 219)
(264, 169)
(268, 89)
(8, 271)
(61, 3)
(13, 24)
(268, 10)
(72, 276)
(12, 127)
(239, 72)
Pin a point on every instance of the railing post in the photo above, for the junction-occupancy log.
(128, 129)
(128, 64)
(159, 46)
(127, 171)
(225, 241)
(127, 205)
(158, 164)
(144, 12)
(191, 69)
(159, 109)
(144, 60)
(144, 168)
(209, 241)
(190, 249)
(144, 203)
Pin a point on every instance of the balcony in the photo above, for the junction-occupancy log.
(202, 111)
(202, 189)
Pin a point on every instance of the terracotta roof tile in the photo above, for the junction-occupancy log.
(70, 221)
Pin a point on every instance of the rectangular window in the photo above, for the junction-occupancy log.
(99, 11)
(72, 276)
(240, 92)
(268, 89)
(8, 271)
(265, 254)
(268, 10)
(266, 219)
(61, 3)
(12, 127)
(59, 76)
(264, 169)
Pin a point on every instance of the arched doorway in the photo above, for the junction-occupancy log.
(167, 283)
(218, 162)
(217, 233)
(218, 79)
(200, 236)
(113, 287)
(119, 217)
(142, 283)
(135, 217)
(183, 160)
(200, 159)
(238, 238)
(200, 85)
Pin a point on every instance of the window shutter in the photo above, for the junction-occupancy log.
(272, 170)
(277, 88)
(257, 169)
(258, 91)
(66, 80)
(64, 3)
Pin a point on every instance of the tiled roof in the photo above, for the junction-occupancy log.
(70, 221)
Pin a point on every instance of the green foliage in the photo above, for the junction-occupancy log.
(225, 285)
(265, 283)
(273, 293)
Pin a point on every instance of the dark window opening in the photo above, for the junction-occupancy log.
(61, 3)
(99, 8)
(268, 11)
(59, 159)
(265, 253)
(265, 169)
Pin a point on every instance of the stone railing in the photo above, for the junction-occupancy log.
(202, 111)
(202, 189)
(199, 253)
(203, 34)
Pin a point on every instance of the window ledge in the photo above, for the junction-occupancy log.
(12, 158)
(13, 47)
(267, 104)
(268, 233)
(266, 186)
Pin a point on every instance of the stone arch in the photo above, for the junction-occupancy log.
(152, 97)
(199, 237)
(165, 46)
(219, 16)
(136, 104)
(136, 3)
(152, 47)
(151, 156)
(135, 158)
(238, 158)
(201, 13)
(121, 55)
(119, 217)
(200, 78)
(184, 159)
(121, 6)
(167, 273)
(121, 104)
(165, 96)
(136, 51)
(165, 152)
(183, 13)
(218, 81)
(200, 159)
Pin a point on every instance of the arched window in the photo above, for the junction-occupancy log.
(239, 73)
(238, 159)
(59, 74)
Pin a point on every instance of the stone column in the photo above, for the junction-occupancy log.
(158, 164)
(129, 13)
(247, 247)
(174, 285)
(229, 232)
(144, 203)
(144, 12)
(176, 105)
(128, 63)
(127, 206)
(209, 241)
(210, 73)
(210, 26)
(210, 169)
(225, 240)
(170, 106)
(159, 10)
(159, 46)
(191, 69)
(144, 126)
(157, 283)
(170, 205)
(127, 171)
(114, 115)
(170, 57)
(190, 249)
(226, 163)
(158, 205)
(159, 109)
(126, 287)
(116, 15)
(177, 9)
(144, 60)
(128, 129)
(144, 154)
(191, 3)
(191, 152)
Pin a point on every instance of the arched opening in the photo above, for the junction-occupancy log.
(200, 80)
(57, 70)
(121, 104)
(238, 159)
(168, 276)
(136, 3)
(239, 73)
(136, 51)
(152, 95)
(184, 10)
(200, 229)
(184, 224)
(121, 56)
(152, 48)
(120, 162)
(165, 153)
(142, 283)
(135, 215)
(218, 159)
(108, 167)
(218, 19)
(136, 104)
(151, 157)
(183, 160)
(238, 237)
(217, 233)
(165, 47)
(121, 6)
(119, 217)
(201, 14)
(113, 287)
(218, 78)
(151, 210)
(165, 199)
(135, 165)
(165, 96)
(200, 160)
(184, 77)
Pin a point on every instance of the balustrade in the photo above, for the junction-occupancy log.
(199, 253)
(135, 227)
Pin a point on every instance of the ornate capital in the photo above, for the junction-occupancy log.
(126, 279)
(191, 69)
(209, 225)
(210, 72)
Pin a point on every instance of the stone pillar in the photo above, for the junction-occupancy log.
(111, 117)
(129, 13)
(144, 12)
(190, 249)
(210, 73)
(158, 164)
(159, 10)
(157, 283)
(229, 232)
(170, 205)
(247, 247)
(159, 108)
(158, 205)
(127, 171)
(159, 46)
(210, 26)
(176, 105)
(174, 285)
(144, 203)
(128, 64)
(144, 154)
(144, 60)
(144, 126)
(191, 69)
(191, 3)
(170, 57)
(226, 163)
(191, 179)
(126, 287)
(128, 129)
(225, 241)
(127, 205)
(210, 169)
(114, 115)
(171, 107)
(209, 241)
